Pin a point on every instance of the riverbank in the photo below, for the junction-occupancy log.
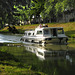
(69, 28)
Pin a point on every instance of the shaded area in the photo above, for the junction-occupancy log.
(55, 64)
(19, 56)
(70, 33)
(6, 58)
(11, 62)
(13, 29)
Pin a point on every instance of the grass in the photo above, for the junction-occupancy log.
(69, 28)
(10, 70)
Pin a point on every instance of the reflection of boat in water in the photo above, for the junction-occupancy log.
(44, 53)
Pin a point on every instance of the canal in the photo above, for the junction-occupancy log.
(51, 59)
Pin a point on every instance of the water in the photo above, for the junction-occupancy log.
(10, 38)
(49, 59)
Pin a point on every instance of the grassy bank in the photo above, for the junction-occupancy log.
(68, 27)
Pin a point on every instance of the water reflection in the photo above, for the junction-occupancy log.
(54, 59)
(53, 52)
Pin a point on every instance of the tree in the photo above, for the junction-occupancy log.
(49, 9)
(13, 10)
(5, 11)
(21, 13)
(21, 10)
(36, 8)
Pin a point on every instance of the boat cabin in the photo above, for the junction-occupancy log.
(29, 33)
(49, 31)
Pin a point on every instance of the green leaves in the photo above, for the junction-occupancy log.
(21, 13)
(24, 9)
(61, 6)
(54, 7)
(36, 7)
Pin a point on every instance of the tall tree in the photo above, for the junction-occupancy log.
(25, 9)
(21, 10)
(53, 8)
(21, 13)
(5, 11)
(36, 7)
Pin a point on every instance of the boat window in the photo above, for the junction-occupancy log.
(46, 31)
(29, 33)
(25, 33)
(39, 32)
(33, 33)
(60, 31)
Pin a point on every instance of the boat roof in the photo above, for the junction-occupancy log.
(49, 28)
(43, 28)
(30, 31)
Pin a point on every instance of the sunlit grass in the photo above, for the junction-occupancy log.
(13, 70)
(69, 28)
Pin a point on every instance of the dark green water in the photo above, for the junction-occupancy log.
(59, 61)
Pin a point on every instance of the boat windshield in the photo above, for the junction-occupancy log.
(29, 34)
(26, 34)
(46, 31)
(39, 32)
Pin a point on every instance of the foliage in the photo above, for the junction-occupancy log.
(55, 7)
(36, 7)
(21, 13)
(6, 11)
(12, 11)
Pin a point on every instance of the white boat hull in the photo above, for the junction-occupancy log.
(44, 40)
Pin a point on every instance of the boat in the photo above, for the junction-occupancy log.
(45, 35)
